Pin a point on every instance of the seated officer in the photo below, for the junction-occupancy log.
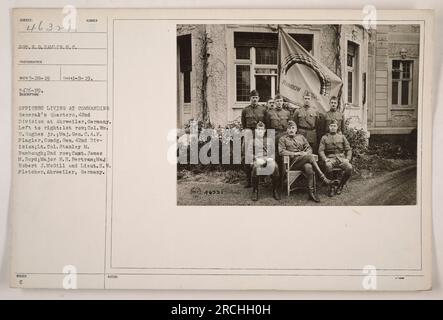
(263, 161)
(336, 152)
(300, 154)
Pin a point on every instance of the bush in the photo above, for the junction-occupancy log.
(222, 135)
(381, 154)
(394, 146)
(358, 139)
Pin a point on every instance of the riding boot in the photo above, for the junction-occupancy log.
(325, 180)
(276, 188)
(321, 174)
(254, 188)
(248, 178)
(311, 189)
(342, 183)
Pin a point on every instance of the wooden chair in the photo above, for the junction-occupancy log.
(291, 176)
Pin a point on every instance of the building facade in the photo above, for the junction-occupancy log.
(218, 65)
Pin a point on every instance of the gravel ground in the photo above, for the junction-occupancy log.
(394, 188)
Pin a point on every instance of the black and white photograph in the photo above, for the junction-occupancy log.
(297, 114)
(225, 150)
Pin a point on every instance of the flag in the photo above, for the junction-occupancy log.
(300, 72)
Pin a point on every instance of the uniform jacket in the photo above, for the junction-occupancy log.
(251, 115)
(334, 146)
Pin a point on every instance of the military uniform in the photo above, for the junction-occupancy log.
(307, 163)
(307, 119)
(263, 164)
(277, 119)
(251, 115)
(336, 148)
(334, 115)
(262, 156)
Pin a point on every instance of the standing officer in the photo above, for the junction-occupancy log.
(270, 104)
(301, 158)
(307, 119)
(250, 116)
(278, 118)
(264, 163)
(253, 113)
(336, 152)
(334, 114)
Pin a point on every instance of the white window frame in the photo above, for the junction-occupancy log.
(234, 105)
(253, 66)
(399, 80)
(355, 70)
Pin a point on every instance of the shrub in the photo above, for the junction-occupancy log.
(224, 136)
(358, 139)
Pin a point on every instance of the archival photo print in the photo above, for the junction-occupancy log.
(297, 115)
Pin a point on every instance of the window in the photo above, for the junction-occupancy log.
(401, 91)
(256, 58)
(243, 82)
(187, 87)
(352, 72)
(185, 51)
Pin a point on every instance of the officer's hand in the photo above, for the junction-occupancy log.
(345, 160)
(328, 160)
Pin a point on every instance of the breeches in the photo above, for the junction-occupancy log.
(303, 163)
(337, 163)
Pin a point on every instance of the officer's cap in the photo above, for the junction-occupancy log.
(307, 94)
(254, 93)
(278, 96)
(291, 124)
(333, 122)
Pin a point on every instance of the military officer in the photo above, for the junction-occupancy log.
(264, 163)
(250, 116)
(278, 118)
(253, 113)
(335, 152)
(334, 114)
(270, 104)
(307, 119)
(297, 147)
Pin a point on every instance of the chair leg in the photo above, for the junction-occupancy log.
(315, 183)
(286, 175)
(287, 183)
